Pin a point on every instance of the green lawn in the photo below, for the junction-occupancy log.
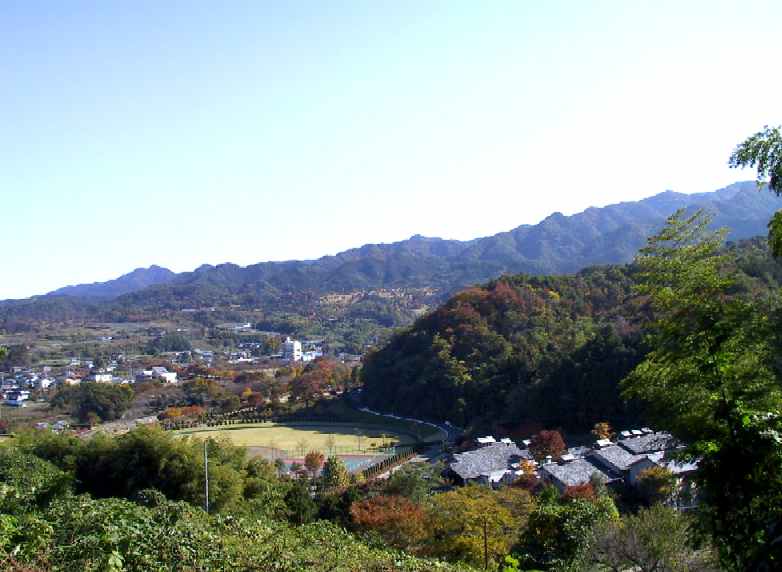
(326, 437)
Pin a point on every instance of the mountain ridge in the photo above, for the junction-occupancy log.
(558, 244)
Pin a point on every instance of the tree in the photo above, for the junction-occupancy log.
(301, 507)
(335, 474)
(712, 378)
(709, 346)
(656, 539)
(313, 461)
(470, 524)
(558, 535)
(763, 150)
(547, 443)
(90, 400)
(603, 430)
(656, 484)
(399, 521)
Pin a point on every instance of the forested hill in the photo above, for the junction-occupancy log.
(550, 349)
(133, 281)
(558, 244)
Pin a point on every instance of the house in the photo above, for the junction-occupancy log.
(291, 350)
(17, 398)
(644, 441)
(571, 473)
(492, 464)
(614, 461)
(164, 375)
(100, 377)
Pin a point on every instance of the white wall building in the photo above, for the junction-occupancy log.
(291, 350)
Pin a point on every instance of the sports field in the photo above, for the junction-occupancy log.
(292, 439)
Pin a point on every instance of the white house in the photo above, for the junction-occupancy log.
(164, 375)
(291, 350)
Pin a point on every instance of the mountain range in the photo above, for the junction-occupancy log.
(557, 245)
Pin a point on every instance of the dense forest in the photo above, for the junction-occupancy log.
(548, 349)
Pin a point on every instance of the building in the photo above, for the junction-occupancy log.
(291, 350)
(164, 375)
(614, 460)
(570, 472)
(492, 464)
(17, 398)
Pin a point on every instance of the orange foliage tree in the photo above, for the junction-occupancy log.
(398, 520)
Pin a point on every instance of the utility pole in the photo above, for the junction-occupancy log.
(206, 476)
(485, 546)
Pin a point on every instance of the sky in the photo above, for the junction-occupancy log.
(183, 133)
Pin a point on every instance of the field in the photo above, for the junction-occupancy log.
(292, 440)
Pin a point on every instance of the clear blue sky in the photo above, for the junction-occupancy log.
(182, 133)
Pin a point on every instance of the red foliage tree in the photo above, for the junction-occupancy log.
(397, 519)
(547, 443)
(585, 491)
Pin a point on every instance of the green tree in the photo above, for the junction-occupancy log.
(709, 346)
(711, 378)
(559, 533)
(106, 401)
(656, 539)
(301, 507)
(335, 474)
(763, 151)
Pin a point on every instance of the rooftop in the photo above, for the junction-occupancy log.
(574, 473)
(649, 443)
(495, 457)
(615, 458)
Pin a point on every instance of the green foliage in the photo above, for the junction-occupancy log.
(335, 474)
(27, 482)
(105, 400)
(712, 377)
(300, 505)
(169, 342)
(657, 538)
(741, 485)
(414, 480)
(709, 345)
(551, 349)
(763, 150)
(559, 533)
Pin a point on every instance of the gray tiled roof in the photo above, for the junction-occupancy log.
(578, 472)
(472, 464)
(614, 458)
(649, 443)
(676, 466)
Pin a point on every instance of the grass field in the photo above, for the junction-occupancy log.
(295, 438)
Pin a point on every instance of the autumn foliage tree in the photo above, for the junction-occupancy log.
(398, 520)
(547, 443)
(603, 430)
(313, 461)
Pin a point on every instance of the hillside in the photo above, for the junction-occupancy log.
(412, 275)
(557, 245)
(546, 349)
(138, 279)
